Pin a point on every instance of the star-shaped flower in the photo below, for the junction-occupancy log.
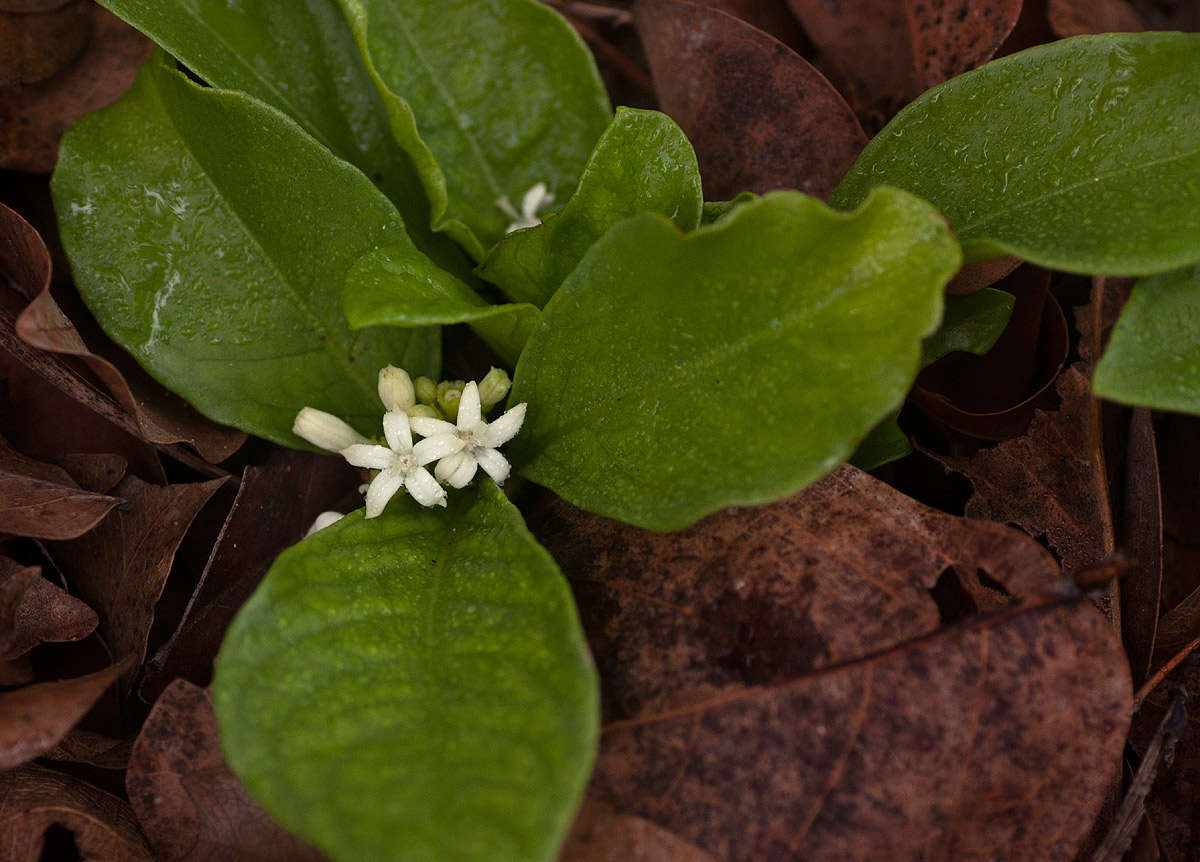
(534, 201)
(398, 465)
(470, 443)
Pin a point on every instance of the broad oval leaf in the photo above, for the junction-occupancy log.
(414, 687)
(300, 57)
(1082, 155)
(525, 107)
(642, 163)
(395, 287)
(1153, 354)
(676, 374)
(210, 235)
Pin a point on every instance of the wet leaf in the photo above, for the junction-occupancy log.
(462, 716)
(33, 719)
(760, 117)
(120, 567)
(32, 800)
(825, 323)
(188, 802)
(1077, 17)
(1153, 356)
(34, 116)
(886, 52)
(1097, 177)
(230, 293)
(777, 682)
(41, 500)
(642, 163)
(528, 108)
(33, 610)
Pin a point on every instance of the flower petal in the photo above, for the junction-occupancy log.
(424, 488)
(396, 432)
(437, 447)
(445, 468)
(464, 472)
(325, 519)
(383, 487)
(324, 430)
(428, 427)
(494, 464)
(506, 427)
(369, 455)
(469, 414)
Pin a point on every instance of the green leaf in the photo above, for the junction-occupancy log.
(1082, 155)
(714, 210)
(643, 163)
(414, 687)
(300, 57)
(972, 323)
(210, 236)
(676, 374)
(487, 98)
(1153, 354)
(395, 287)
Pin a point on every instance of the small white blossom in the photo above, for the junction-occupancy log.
(325, 519)
(396, 389)
(534, 201)
(398, 466)
(324, 430)
(470, 443)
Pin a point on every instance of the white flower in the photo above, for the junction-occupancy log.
(396, 389)
(325, 519)
(460, 448)
(324, 430)
(398, 465)
(535, 200)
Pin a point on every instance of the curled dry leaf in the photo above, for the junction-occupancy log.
(777, 682)
(602, 835)
(34, 116)
(759, 116)
(884, 53)
(33, 719)
(120, 567)
(33, 799)
(42, 500)
(37, 43)
(33, 610)
(190, 804)
(1078, 17)
(157, 416)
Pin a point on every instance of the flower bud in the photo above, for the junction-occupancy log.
(324, 430)
(448, 394)
(493, 387)
(395, 388)
(426, 391)
(325, 519)
(423, 410)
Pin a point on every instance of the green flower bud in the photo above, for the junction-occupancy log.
(426, 391)
(448, 394)
(493, 388)
(423, 410)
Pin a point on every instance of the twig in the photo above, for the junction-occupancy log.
(1161, 674)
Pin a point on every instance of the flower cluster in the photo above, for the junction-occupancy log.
(459, 447)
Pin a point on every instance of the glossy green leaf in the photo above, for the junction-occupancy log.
(210, 236)
(414, 687)
(676, 374)
(714, 210)
(1153, 354)
(1082, 155)
(971, 324)
(395, 287)
(487, 98)
(300, 57)
(642, 163)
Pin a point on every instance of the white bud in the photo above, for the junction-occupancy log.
(325, 519)
(324, 430)
(396, 389)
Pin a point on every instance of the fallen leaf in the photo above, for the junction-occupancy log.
(16, 671)
(771, 16)
(190, 804)
(777, 682)
(33, 610)
(33, 800)
(36, 43)
(602, 835)
(884, 53)
(96, 471)
(1141, 537)
(34, 116)
(33, 719)
(94, 749)
(120, 567)
(759, 116)
(1079, 17)
(275, 506)
(43, 501)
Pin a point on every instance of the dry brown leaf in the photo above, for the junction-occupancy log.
(602, 835)
(37, 43)
(1141, 537)
(1079, 17)
(94, 749)
(33, 610)
(188, 801)
(759, 116)
(33, 799)
(41, 500)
